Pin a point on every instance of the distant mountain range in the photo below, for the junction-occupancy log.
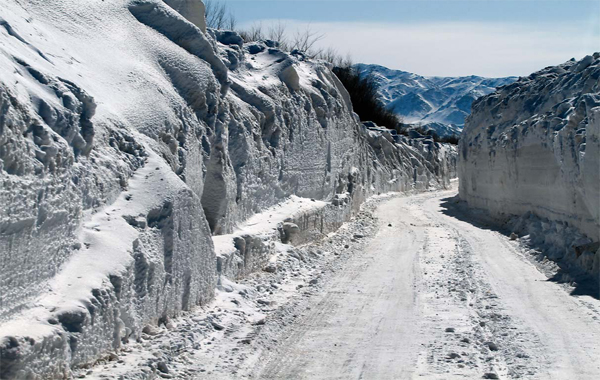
(439, 103)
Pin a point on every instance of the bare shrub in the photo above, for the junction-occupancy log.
(218, 15)
(305, 41)
(336, 59)
(255, 33)
(277, 32)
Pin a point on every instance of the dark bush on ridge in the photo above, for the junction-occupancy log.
(365, 98)
(363, 89)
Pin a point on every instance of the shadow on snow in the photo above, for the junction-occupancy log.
(585, 284)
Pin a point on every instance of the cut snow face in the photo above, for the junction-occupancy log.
(533, 147)
(129, 137)
(437, 103)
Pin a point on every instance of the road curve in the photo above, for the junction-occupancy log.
(437, 296)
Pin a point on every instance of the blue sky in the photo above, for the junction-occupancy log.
(414, 10)
(443, 37)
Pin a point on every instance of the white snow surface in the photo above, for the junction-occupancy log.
(268, 220)
(437, 103)
(413, 286)
(533, 147)
(129, 136)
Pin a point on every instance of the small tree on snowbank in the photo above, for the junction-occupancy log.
(305, 41)
(218, 15)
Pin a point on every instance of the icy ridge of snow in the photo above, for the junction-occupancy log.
(533, 146)
(551, 242)
(128, 138)
(192, 10)
(437, 103)
(295, 221)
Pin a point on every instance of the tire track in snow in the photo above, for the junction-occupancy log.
(443, 284)
(432, 296)
(555, 334)
(351, 334)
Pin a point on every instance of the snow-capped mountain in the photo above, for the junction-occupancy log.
(439, 103)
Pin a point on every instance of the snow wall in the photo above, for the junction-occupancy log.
(533, 146)
(129, 136)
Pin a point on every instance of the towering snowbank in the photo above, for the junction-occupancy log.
(533, 146)
(128, 137)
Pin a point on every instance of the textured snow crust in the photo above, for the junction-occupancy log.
(533, 147)
(129, 137)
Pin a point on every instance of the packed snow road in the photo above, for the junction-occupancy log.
(435, 295)
(413, 287)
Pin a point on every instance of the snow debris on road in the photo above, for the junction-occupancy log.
(225, 338)
(427, 297)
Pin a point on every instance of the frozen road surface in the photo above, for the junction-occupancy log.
(436, 296)
(414, 287)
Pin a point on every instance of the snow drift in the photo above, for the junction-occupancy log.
(130, 135)
(533, 146)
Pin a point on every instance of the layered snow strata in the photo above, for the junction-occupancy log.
(128, 138)
(250, 247)
(575, 253)
(415, 164)
(533, 146)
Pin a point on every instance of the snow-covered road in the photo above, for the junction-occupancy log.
(413, 287)
(435, 295)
